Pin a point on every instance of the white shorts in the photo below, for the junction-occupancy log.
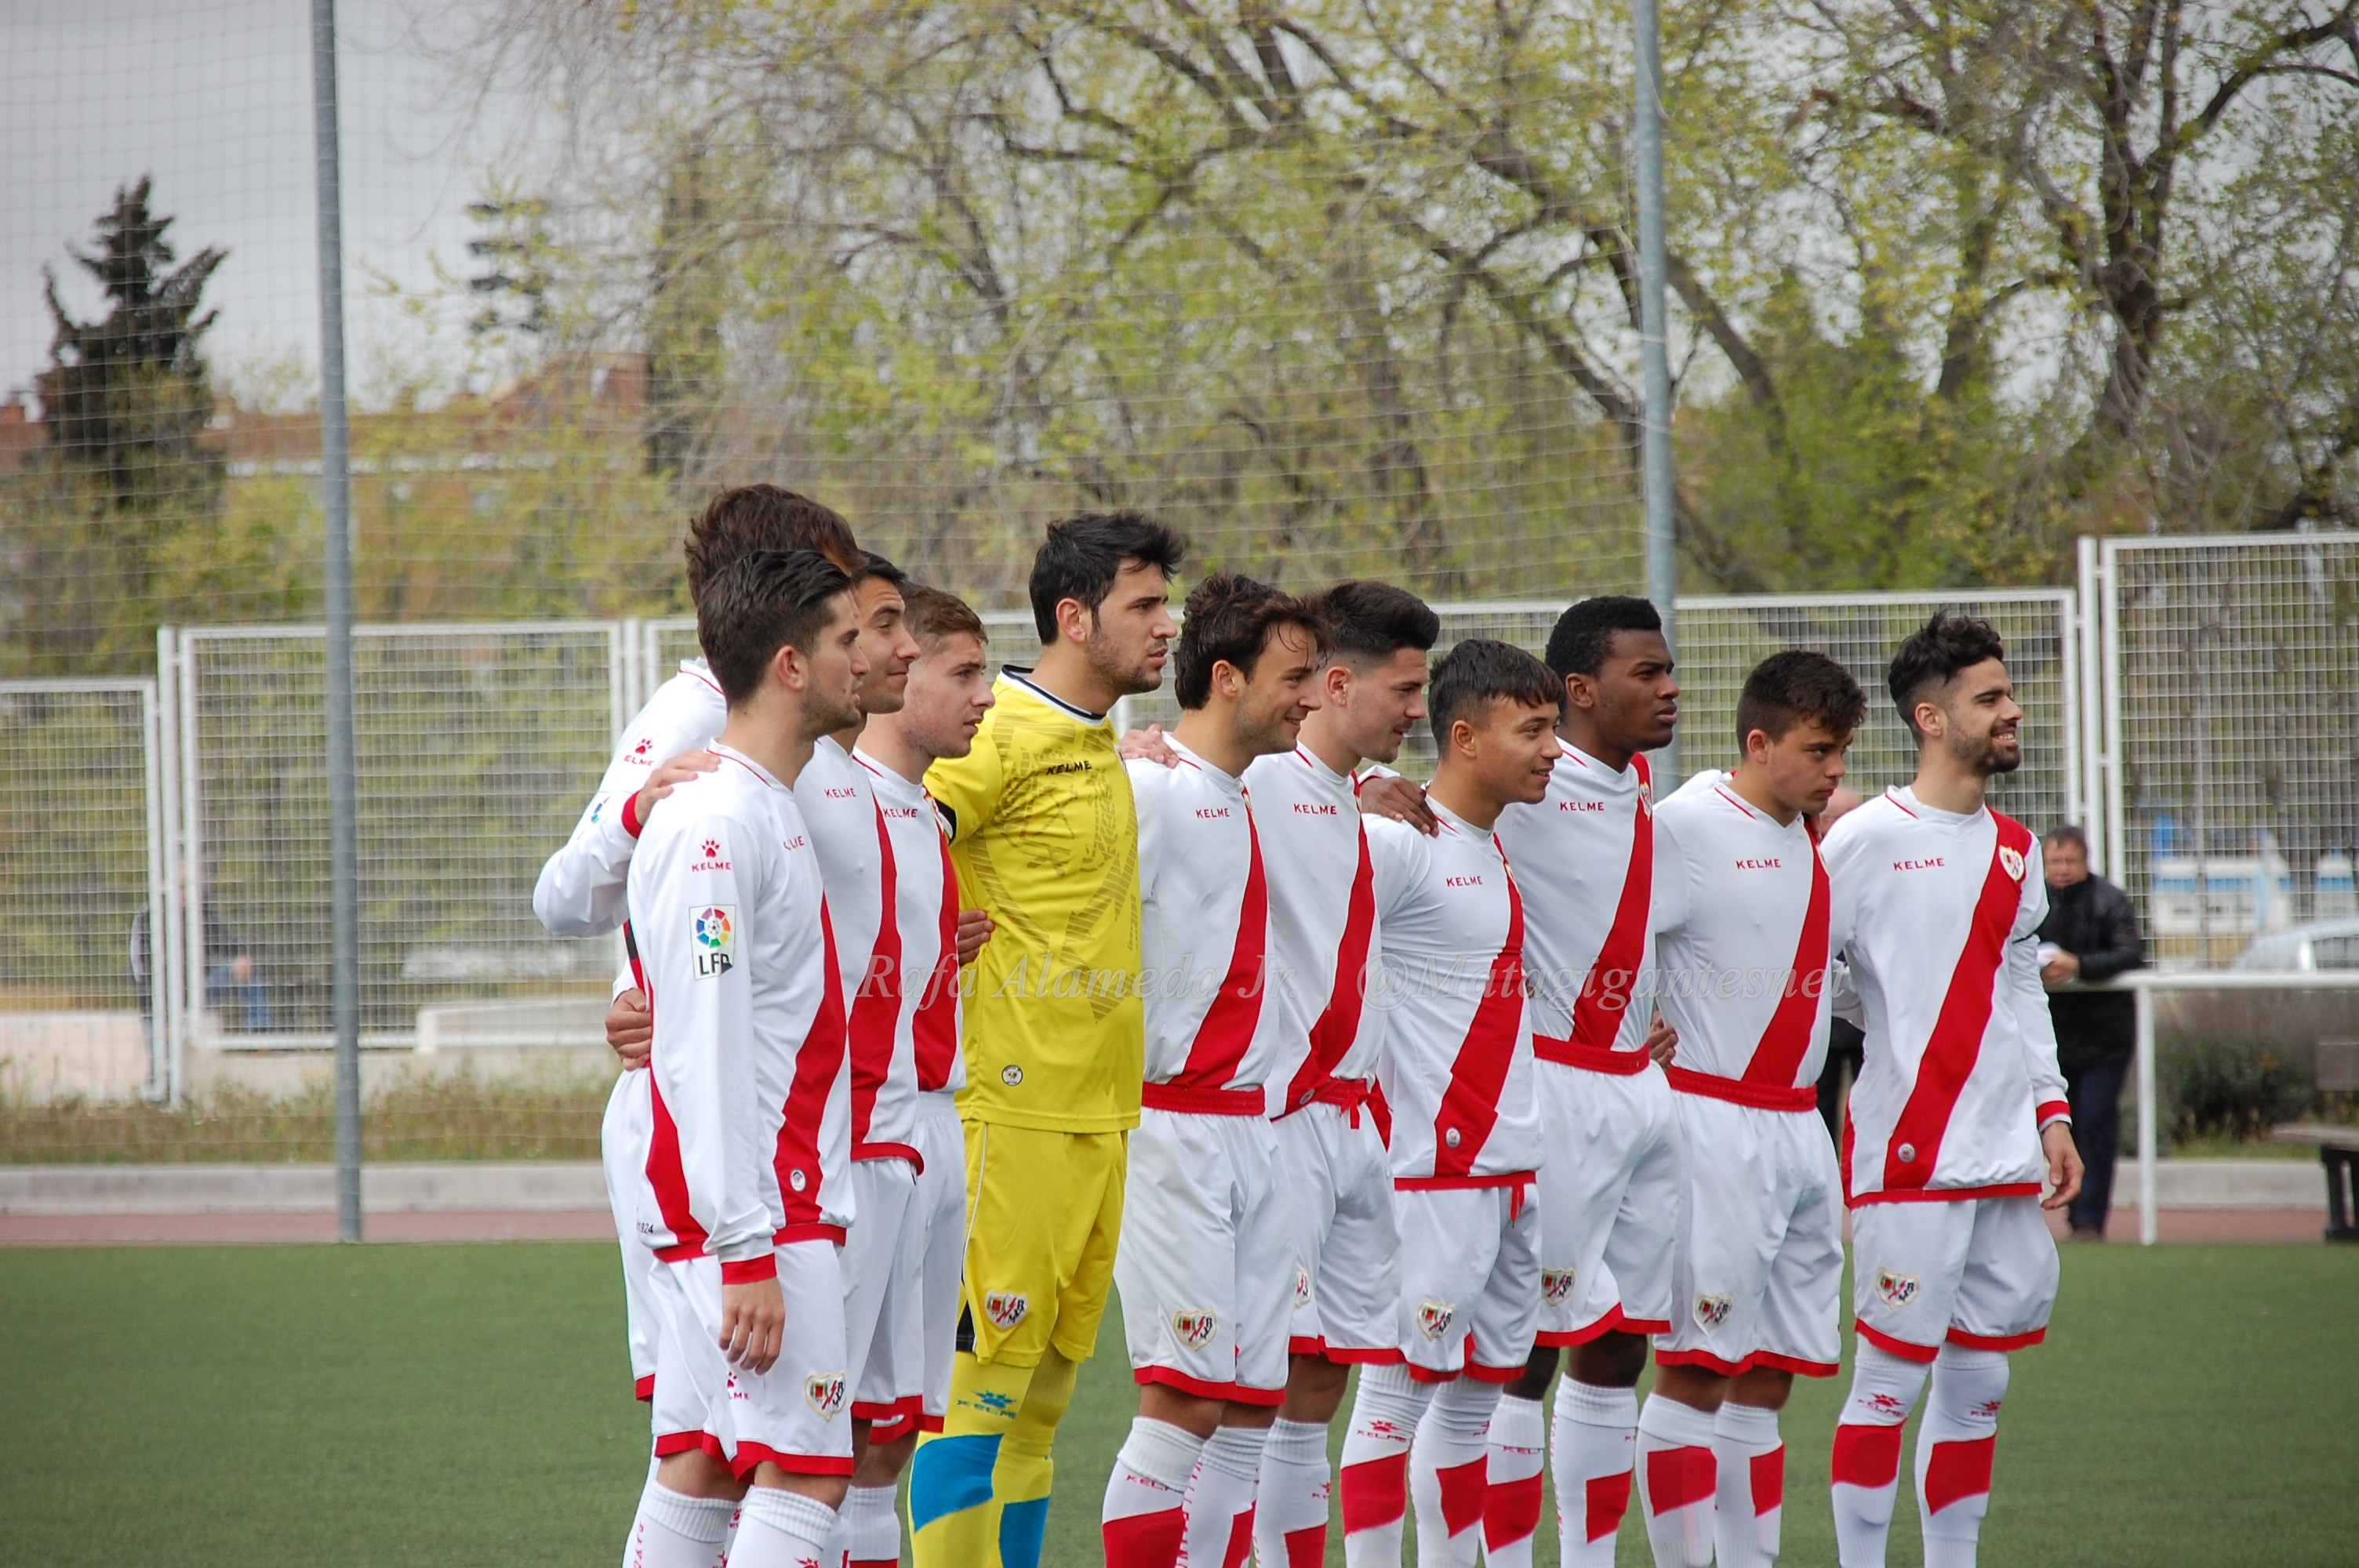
(1609, 1202)
(623, 1138)
(1469, 1280)
(941, 1212)
(1206, 1262)
(1980, 1273)
(1335, 1189)
(882, 1252)
(1759, 1275)
(798, 1415)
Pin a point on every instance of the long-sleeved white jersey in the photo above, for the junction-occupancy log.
(836, 797)
(751, 1092)
(1323, 932)
(1742, 909)
(924, 941)
(1213, 1025)
(1457, 1066)
(1936, 915)
(580, 893)
(1587, 853)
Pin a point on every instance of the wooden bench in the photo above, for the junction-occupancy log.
(2338, 1150)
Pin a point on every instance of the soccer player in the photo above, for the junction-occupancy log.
(1959, 1112)
(1742, 907)
(1610, 1191)
(1206, 1262)
(744, 1198)
(580, 889)
(1044, 838)
(1335, 1179)
(948, 692)
(1466, 1122)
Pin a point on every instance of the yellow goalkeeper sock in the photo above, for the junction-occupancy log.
(954, 1518)
(1021, 1479)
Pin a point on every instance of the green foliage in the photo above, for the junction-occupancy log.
(2235, 1089)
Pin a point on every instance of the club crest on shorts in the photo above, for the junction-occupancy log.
(1192, 1326)
(1433, 1317)
(824, 1393)
(1556, 1286)
(1895, 1291)
(1302, 1286)
(2011, 857)
(1005, 1308)
(1711, 1311)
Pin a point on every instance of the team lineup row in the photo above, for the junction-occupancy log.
(1442, 1083)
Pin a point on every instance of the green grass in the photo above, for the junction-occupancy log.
(459, 1405)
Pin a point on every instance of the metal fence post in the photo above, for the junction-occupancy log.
(2149, 1223)
(1653, 343)
(2089, 810)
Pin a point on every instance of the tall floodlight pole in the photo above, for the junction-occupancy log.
(1653, 351)
(336, 493)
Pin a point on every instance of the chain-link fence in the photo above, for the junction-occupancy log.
(2232, 717)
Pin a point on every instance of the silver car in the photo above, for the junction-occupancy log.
(2320, 945)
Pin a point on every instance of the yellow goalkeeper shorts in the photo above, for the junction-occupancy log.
(1044, 1211)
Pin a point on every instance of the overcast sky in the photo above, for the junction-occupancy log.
(213, 98)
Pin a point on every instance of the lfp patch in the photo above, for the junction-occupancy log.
(716, 941)
(1192, 1326)
(1895, 1291)
(1005, 1308)
(824, 1394)
(1433, 1317)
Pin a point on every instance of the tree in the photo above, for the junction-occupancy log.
(124, 472)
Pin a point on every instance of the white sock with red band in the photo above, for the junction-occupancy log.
(1375, 1482)
(1290, 1508)
(673, 1530)
(1595, 1444)
(1751, 1497)
(1517, 1454)
(872, 1527)
(1954, 1445)
(1447, 1464)
(1677, 1479)
(778, 1529)
(1865, 1472)
(1143, 1521)
(1219, 1501)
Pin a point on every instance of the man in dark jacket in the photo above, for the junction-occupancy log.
(2091, 935)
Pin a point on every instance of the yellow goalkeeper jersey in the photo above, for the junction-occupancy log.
(1044, 838)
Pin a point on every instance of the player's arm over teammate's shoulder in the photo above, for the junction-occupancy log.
(580, 893)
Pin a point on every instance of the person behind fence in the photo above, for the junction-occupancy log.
(232, 976)
(2091, 935)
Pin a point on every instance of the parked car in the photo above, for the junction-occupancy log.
(2320, 945)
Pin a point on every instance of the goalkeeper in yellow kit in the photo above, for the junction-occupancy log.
(1046, 841)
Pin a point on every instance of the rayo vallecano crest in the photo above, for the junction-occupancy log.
(2011, 857)
(1895, 1291)
(1556, 1286)
(1192, 1326)
(1433, 1317)
(1005, 1308)
(1711, 1311)
(824, 1393)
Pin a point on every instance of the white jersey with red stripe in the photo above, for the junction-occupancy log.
(1740, 914)
(1322, 924)
(1588, 946)
(925, 972)
(580, 893)
(751, 1089)
(837, 801)
(1457, 1066)
(1937, 915)
(1203, 897)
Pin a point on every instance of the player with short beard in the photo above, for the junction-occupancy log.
(1959, 1114)
(744, 1201)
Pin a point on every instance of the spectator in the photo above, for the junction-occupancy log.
(2091, 935)
(233, 975)
(1844, 1038)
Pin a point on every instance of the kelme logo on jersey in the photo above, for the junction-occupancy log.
(1433, 1317)
(1556, 1286)
(1711, 1311)
(824, 1393)
(2011, 858)
(716, 941)
(1895, 1291)
(1005, 1308)
(1192, 1326)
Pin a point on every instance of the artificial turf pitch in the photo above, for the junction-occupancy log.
(468, 1404)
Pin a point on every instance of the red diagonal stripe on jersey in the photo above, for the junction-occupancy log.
(1470, 1104)
(1229, 1022)
(1957, 1037)
(876, 1006)
(935, 1020)
(1339, 1026)
(665, 1172)
(1779, 1057)
(1605, 990)
(816, 1062)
